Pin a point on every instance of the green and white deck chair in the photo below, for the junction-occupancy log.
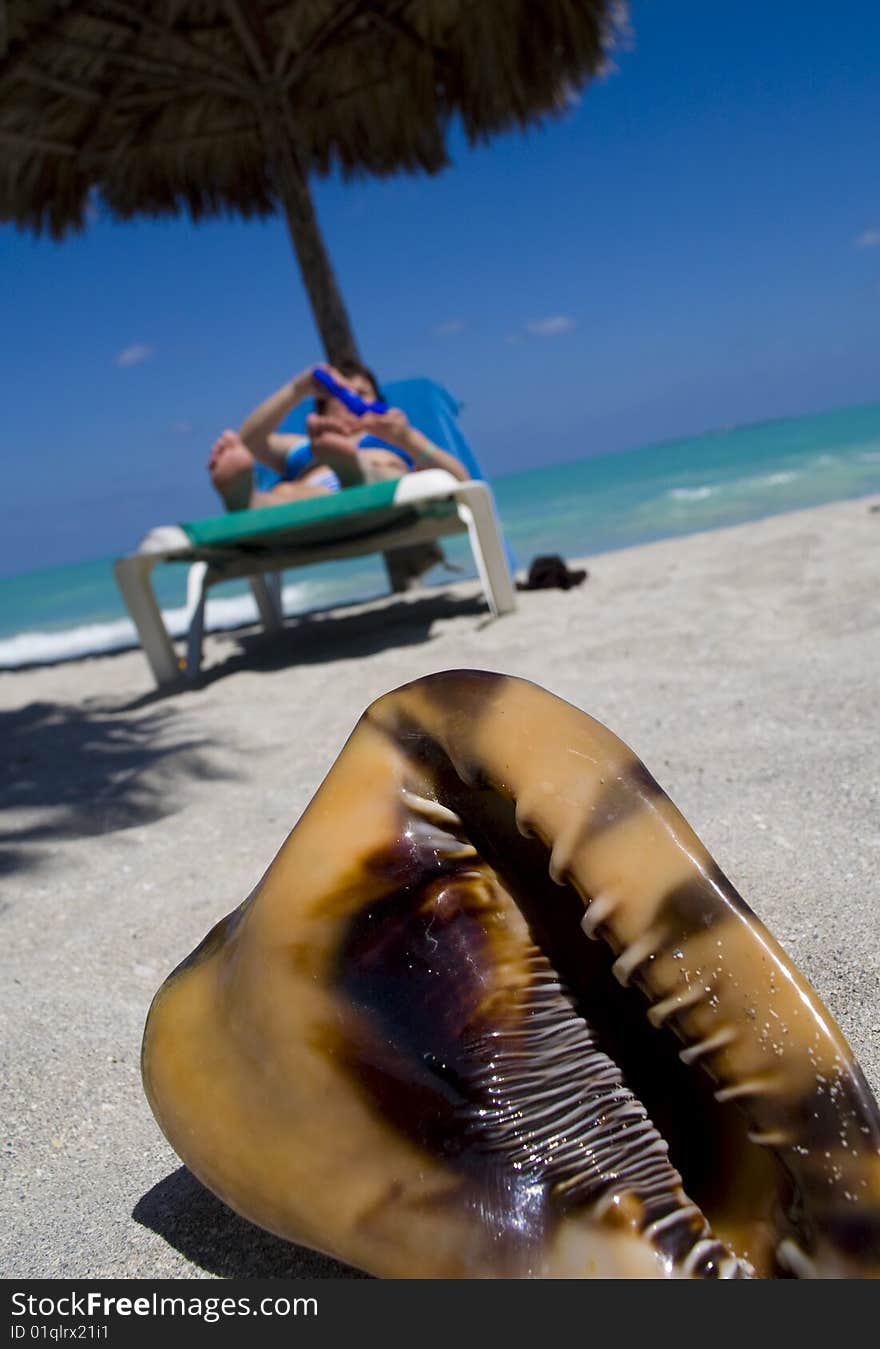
(261, 544)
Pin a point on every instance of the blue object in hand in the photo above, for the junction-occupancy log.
(352, 401)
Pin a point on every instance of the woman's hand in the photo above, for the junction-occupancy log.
(333, 431)
(306, 386)
(393, 426)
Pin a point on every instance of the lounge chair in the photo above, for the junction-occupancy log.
(260, 544)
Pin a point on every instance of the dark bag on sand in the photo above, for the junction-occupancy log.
(550, 572)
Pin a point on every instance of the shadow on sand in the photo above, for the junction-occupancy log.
(324, 636)
(74, 770)
(78, 770)
(197, 1224)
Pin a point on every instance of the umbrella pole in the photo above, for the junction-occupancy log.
(404, 565)
(325, 297)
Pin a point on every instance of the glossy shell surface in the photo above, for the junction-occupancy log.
(494, 1011)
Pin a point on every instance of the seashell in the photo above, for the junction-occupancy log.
(405, 1050)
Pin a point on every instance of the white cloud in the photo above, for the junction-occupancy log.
(868, 239)
(448, 329)
(182, 428)
(551, 326)
(134, 354)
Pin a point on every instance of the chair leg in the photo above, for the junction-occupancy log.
(406, 566)
(267, 593)
(197, 589)
(195, 586)
(478, 514)
(133, 578)
(197, 582)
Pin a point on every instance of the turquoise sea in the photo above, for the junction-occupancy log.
(584, 507)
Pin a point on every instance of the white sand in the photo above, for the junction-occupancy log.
(742, 666)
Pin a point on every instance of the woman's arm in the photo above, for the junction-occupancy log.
(258, 430)
(395, 427)
(428, 455)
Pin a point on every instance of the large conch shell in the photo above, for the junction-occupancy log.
(404, 1050)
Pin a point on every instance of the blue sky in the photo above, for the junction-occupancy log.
(697, 243)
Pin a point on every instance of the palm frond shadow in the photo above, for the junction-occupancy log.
(79, 770)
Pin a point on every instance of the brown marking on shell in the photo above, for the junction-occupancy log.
(279, 1061)
(619, 799)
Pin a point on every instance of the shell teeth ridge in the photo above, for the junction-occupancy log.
(635, 955)
(670, 1219)
(792, 1258)
(525, 814)
(430, 809)
(751, 1086)
(728, 1266)
(725, 1036)
(562, 853)
(598, 911)
(770, 1138)
(676, 1002)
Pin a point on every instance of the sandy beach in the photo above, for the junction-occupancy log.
(740, 665)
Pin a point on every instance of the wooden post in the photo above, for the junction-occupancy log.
(404, 565)
(325, 297)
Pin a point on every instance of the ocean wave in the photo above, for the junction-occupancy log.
(96, 639)
(691, 493)
(48, 648)
(772, 479)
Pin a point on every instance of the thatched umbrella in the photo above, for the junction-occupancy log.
(218, 106)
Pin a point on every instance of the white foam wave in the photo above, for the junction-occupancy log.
(94, 639)
(687, 494)
(691, 493)
(47, 648)
(773, 479)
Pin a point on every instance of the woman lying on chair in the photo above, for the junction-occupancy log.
(342, 449)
